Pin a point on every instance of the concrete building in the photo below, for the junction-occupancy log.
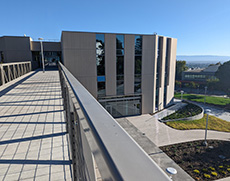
(129, 74)
(22, 48)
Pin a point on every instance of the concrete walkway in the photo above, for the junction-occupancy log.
(216, 111)
(161, 135)
(33, 143)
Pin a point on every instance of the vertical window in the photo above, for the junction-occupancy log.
(120, 63)
(100, 62)
(138, 62)
(158, 77)
(166, 70)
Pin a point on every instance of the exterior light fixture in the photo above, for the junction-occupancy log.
(43, 63)
(207, 111)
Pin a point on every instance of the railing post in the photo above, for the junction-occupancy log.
(9, 78)
(19, 72)
(30, 67)
(14, 71)
(2, 75)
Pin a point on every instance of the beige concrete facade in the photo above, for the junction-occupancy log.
(110, 64)
(129, 64)
(79, 56)
(78, 49)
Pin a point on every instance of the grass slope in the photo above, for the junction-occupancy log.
(214, 123)
(200, 98)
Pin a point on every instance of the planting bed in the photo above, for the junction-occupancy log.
(202, 162)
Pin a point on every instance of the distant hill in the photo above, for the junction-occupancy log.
(203, 58)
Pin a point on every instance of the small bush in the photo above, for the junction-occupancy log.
(214, 173)
(205, 170)
(221, 167)
(211, 168)
(196, 171)
(228, 169)
(223, 172)
(207, 175)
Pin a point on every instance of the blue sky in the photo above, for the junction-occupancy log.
(202, 27)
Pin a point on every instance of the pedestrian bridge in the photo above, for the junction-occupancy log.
(51, 128)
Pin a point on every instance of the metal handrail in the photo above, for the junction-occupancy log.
(11, 71)
(95, 135)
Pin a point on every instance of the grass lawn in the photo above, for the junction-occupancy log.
(214, 123)
(200, 98)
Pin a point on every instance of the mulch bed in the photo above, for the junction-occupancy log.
(206, 160)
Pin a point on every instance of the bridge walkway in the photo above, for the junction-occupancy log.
(33, 142)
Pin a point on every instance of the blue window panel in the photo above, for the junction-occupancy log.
(100, 78)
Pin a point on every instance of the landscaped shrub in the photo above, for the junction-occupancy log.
(214, 173)
(187, 111)
(207, 175)
(228, 169)
(221, 167)
(196, 171)
(223, 172)
(211, 168)
(205, 170)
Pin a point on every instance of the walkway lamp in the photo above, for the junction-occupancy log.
(207, 111)
(43, 64)
(205, 91)
(181, 94)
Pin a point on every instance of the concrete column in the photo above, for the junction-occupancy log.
(148, 67)
(129, 64)
(162, 73)
(110, 64)
(172, 70)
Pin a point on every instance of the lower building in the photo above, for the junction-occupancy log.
(23, 48)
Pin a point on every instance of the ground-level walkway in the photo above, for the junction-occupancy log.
(33, 143)
(161, 134)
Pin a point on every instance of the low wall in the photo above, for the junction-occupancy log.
(198, 116)
(170, 110)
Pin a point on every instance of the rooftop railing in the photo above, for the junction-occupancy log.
(11, 71)
(100, 148)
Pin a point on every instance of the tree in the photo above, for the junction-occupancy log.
(223, 74)
(180, 67)
(192, 85)
(178, 84)
(213, 84)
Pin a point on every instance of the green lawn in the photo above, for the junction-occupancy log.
(214, 123)
(200, 98)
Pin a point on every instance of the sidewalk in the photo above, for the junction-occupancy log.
(162, 135)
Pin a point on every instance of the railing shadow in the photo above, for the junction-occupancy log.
(9, 88)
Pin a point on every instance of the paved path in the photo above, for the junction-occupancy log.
(33, 143)
(161, 135)
(216, 111)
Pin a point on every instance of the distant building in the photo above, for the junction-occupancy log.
(200, 75)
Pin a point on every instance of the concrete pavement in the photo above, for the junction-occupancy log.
(161, 134)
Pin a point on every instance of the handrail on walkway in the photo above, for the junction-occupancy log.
(11, 71)
(96, 140)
